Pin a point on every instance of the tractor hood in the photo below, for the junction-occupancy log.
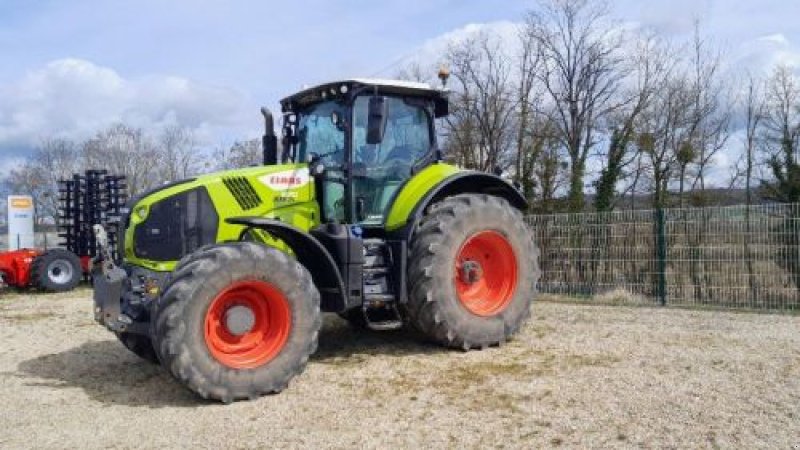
(165, 224)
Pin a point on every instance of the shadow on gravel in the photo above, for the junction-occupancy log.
(338, 341)
(109, 374)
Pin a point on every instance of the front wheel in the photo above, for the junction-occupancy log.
(472, 273)
(238, 320)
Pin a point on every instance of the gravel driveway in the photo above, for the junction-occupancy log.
(577, 376)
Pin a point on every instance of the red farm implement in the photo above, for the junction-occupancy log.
(84, 200)
(54, 270)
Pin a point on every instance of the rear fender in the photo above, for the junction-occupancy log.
(464, 182)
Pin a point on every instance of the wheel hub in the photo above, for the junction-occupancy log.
(485, 273)
(239, 320)
(59, 271)
(471, 271)
(247, 324)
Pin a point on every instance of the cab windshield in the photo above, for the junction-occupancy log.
(379, 170)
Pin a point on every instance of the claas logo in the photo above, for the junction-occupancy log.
(21, 202)
(285, 180)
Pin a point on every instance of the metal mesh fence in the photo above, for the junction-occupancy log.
(739, 256)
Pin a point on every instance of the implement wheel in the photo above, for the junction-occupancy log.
(237, 320)
(56, 270)
(472, 273)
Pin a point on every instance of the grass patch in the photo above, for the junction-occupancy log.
(485, 384)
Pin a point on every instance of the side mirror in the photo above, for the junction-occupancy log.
(376, 120)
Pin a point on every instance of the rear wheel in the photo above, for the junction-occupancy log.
(237, 320)
(56, 270)
(472, 272)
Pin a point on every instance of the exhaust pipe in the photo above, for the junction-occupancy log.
(269, 143)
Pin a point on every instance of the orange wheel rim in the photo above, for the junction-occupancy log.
(247, 324)
(485, 273)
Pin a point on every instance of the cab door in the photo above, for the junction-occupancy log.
(379, 170)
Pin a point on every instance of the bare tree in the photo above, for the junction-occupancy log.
(177, 152)
(127, 151)
(530, 139)
(581, 74)
(710, 113)
(480, 129)
(240, 154)
(685, 123)
(755, 110)
(650, 66)
(781, 135)
(663, 131)
(52, 160)
(415, 72)
(549, 168)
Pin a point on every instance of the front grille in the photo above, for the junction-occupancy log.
(176, 226)
(242, 191)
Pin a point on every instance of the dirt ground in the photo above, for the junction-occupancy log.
(599, 376)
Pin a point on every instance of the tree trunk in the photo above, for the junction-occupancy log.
(576, 198)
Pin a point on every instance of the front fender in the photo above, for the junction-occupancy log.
(310, 253)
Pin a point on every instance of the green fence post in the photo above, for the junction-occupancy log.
(661, 257)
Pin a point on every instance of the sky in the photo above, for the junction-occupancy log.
(70, 68)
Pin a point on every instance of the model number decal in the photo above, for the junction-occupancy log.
(288, 196)
(287, 179)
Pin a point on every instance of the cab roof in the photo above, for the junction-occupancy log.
(342, 88)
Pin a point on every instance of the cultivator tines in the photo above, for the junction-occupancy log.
(85, 200)
(68, 219)
(116, 195)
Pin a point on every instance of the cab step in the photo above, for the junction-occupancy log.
(383, 316)
(386, 325)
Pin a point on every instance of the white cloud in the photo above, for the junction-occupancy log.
(761, 55)
(431, 53)
(505, 31)
(75, 98)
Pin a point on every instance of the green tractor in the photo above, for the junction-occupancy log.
(223, 277)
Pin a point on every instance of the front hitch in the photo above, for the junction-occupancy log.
(108, 280)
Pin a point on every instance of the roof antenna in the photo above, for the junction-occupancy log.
(444, 74)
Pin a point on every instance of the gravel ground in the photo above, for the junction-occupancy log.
(577, 376)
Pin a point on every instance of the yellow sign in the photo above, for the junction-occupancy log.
(21, 202)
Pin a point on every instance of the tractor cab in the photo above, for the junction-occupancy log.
(363, 139)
